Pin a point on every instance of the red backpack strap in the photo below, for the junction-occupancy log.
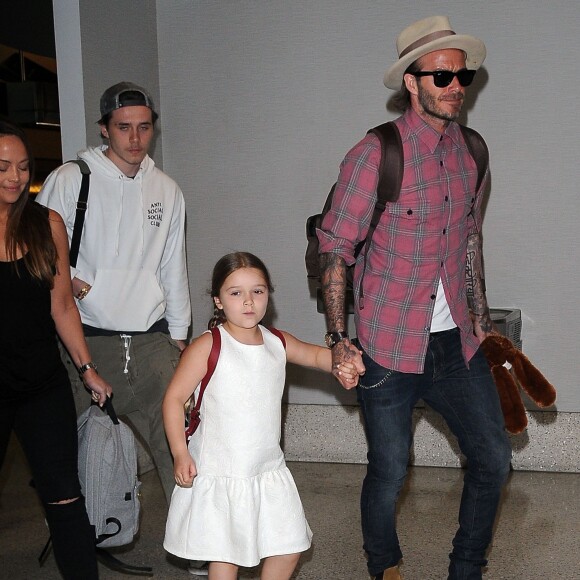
(213, 356)
(279, 334)
(212, 360)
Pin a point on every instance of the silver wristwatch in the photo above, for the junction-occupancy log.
(90, 365)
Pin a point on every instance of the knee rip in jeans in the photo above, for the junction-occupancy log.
(63, 501)
(387, 376)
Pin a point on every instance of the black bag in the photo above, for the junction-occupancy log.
(388, 190)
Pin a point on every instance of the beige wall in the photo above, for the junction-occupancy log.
(259, 101)
(100, 44)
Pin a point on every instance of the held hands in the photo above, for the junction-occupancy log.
(184, 469)
(347, 364)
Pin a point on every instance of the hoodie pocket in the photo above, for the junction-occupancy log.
(123, 300)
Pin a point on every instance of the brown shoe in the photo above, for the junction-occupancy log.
(392, 573)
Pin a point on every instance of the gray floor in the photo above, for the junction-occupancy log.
(537, 536)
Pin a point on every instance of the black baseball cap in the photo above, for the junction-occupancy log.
(125, 94)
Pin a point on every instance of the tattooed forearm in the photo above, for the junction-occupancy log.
(469, 275)
(333, 279)
(474, 281)
(475, 284)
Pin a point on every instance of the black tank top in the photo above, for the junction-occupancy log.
(29, 355)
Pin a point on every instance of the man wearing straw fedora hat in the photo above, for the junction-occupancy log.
(425, 312)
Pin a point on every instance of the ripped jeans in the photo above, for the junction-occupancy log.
(468, 401)
(44, 421)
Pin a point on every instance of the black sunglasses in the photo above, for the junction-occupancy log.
(443, 78)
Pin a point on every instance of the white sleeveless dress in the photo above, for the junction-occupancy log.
(243, 505)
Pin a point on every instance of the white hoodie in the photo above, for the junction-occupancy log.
(132, 249)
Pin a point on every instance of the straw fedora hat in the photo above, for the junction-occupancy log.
(433, 33)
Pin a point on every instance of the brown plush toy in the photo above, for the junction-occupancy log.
(498, 350)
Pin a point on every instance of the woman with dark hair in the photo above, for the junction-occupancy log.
(35, 394)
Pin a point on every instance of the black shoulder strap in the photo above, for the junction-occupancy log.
(478, 150)
(388, 185)
(81, 209)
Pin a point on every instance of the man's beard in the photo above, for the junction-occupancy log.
(431, 107)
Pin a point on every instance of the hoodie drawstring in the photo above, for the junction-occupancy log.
(126, 345)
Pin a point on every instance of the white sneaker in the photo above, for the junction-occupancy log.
(198, 568)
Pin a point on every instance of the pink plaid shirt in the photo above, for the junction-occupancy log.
(420, 238)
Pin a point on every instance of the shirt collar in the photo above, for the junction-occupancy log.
(427, 134)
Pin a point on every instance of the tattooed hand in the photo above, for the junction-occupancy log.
(482, 325)
(344, 353)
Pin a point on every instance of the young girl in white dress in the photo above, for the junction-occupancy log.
(236, 502)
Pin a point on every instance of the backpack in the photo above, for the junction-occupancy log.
(108, 476)
(109, 481)
(192, 415)
(388, 189)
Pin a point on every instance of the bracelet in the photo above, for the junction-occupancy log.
(84, 368)
(83, 291)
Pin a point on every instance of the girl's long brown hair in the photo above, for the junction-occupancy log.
(225, 266)
(28, 229)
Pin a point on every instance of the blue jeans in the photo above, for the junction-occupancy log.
(468, 401)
